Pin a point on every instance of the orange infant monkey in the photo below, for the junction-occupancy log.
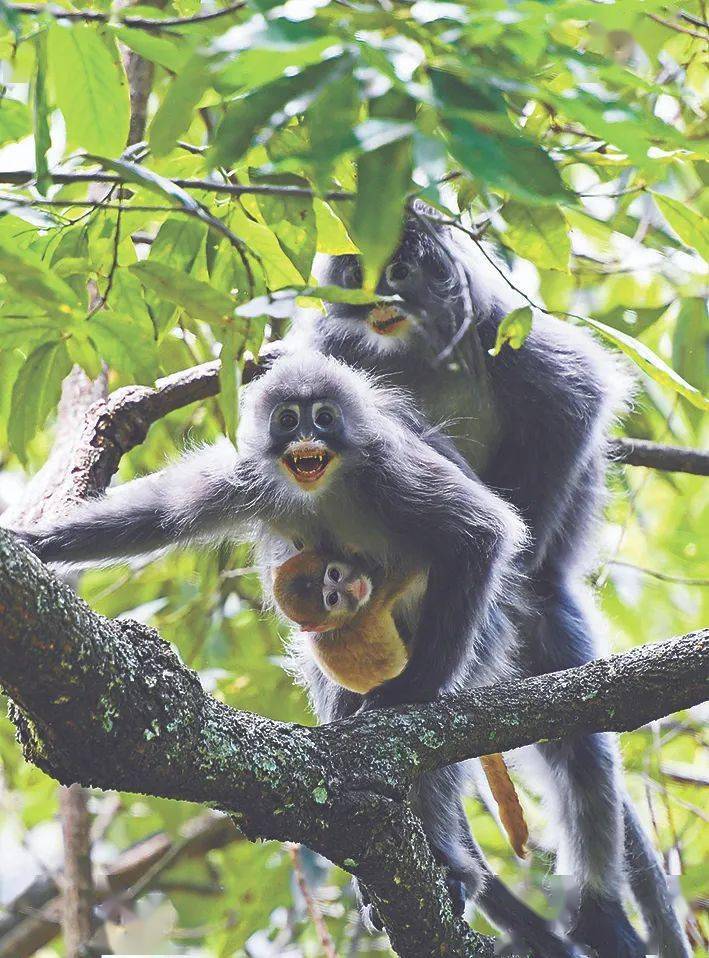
(351, 632)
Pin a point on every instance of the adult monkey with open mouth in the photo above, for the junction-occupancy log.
(337, 464)
(533, 424)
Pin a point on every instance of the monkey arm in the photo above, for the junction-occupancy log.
(205, 494)
(470, 537)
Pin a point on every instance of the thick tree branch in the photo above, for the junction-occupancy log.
(87, 687)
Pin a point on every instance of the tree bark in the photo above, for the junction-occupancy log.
(87, 687)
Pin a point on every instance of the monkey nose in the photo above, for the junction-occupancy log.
(359, 589)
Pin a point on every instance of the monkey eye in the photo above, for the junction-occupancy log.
(325, 415)
(397, 272)
(332, 599)
(333, 573)
(286, 418)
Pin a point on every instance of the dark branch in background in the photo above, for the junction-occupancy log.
(87, 687)
(115, 426)
(139, 23)
(655, 455)
(21, 177)
(31, 920)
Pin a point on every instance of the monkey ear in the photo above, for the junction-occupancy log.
(255, 368)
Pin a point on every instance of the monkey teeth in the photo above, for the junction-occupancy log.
(307, 463)
(386, 319)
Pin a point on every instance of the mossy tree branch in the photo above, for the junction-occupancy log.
(108, 703)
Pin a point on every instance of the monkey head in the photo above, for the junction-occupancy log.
(320, 594)
(426, 279)
(307, 418)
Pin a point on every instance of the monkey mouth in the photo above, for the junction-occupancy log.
(387, 320)
(307, 462)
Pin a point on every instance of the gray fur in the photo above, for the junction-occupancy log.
(533, 425)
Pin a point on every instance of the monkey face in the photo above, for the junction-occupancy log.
(308, 435)
(320, 595)
(345, 590)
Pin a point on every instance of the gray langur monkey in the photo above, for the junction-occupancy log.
(331, 461)
(533, 425)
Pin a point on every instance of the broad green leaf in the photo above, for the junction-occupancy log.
(691, 228)
(197, 298)
(383, 181)
(292, 220)
(539, 234)
(15, 120)
(11, 361)
(259, 238)
(283, 302)
(29, 276)
(91, 87)
(268, 108)
(42, 137)
(513, 329)
(651, 363)
(332, 232)
(510, 163)
(127, 343)
(83, 352)
(35, 393)
(177, 109)
(27, 331)
(690, 344)
(169, 54)
(165, 188)
(229, 379)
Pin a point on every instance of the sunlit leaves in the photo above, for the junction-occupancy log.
(509, 163)
(176, 110)
(15, 120)
(34, 281)
(90, 86)
(691, 228)
(197, 298)
(127, 343)
(42, 137)
(539, 234)
(651, 363)
(267, 108)
(36, 392)
(513, 330)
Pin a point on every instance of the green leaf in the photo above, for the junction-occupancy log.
(197, 298)
(539, 234)
(176, 111)
(292, 220)
(651, 363)
(11, 361)
(510, 163)
(513, 329)
(91, 87)
(27, 274)
(15, 120)
(332, 232)
(166, 53)
(268, 108)
(229, 379)
(35, 393)
(127, 343)
(690, 344)
(42, 137)
(383, 181)
(27, 331)
(691, 228)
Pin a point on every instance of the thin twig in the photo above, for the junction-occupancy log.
(139, 23)
(310, 903)
(663, 576)
(26, 177)
(676, 26)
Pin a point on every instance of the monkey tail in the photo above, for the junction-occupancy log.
(505, 794)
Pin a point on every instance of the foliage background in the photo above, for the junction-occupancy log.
(571, 131)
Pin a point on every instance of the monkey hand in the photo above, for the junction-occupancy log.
(394, 692)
